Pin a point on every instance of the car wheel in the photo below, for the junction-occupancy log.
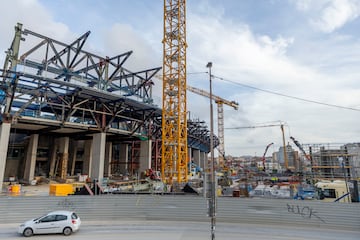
(67, 231)
(28, 232)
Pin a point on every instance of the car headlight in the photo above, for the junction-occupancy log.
(22, 225)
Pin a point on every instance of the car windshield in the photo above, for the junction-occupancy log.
(39, 218)
(74, 216)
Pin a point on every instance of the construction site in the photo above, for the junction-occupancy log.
(85, 124)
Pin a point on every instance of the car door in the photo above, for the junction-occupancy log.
(46, 224)
(61, 223)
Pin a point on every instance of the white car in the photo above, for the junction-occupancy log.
(64, 222)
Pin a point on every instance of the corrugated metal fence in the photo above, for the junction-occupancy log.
(187, 208)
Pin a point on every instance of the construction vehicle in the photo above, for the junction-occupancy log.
(263, 157)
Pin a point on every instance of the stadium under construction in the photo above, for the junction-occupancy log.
(67, 111)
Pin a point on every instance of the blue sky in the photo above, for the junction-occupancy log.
(307, 49)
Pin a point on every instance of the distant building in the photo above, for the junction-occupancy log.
(353, 149)
(292, 158)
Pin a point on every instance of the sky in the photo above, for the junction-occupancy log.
(291, 62)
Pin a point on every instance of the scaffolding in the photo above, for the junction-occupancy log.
(333, 161)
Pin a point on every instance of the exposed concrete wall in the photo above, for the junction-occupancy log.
(64, 156)
(196, 157)
(87, 158)
(204, 160)
(4, 143)
(108, 159)
(54, 151)
(73, 149)
(30, 158)
(98, 156)
(124, 158)
(12, 167)
(145, 155)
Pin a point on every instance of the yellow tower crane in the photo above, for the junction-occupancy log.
(286, 160)
(174, 154)
(220, 114)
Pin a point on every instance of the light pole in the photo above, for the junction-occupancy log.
(212, 199)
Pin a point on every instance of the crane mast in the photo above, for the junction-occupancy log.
(174, 152)
(284, 148)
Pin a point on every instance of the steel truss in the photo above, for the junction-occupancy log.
(68, 86)
(60, 89)
(199, 136)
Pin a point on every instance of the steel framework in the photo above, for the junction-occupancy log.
(52, 88)
(199, 136)
(174, 156)
(59, 86)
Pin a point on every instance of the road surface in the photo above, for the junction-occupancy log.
(159, 230)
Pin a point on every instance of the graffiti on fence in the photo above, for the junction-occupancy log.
(305, 212)
(66, 204)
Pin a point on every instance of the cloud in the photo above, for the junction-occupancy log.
(302, 5)
(337, 14)
(34, 17)
(243, 56)
(120, 38)
(229, 42)
(329, 15)
(294, 62)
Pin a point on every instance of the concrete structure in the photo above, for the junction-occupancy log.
(4, 142)
(68, 108)
(354, 159)
(30, 160)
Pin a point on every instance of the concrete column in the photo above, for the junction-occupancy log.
(54, 152)
(87, 158)
(197, 159)
(4, 144)
(204, 160)
(124, 158)
(108, 159)
(190, 157)
(64, 156)
(145, 155)
(30, 158)
(98, 156)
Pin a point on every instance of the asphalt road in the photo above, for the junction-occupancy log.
(148, 230)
